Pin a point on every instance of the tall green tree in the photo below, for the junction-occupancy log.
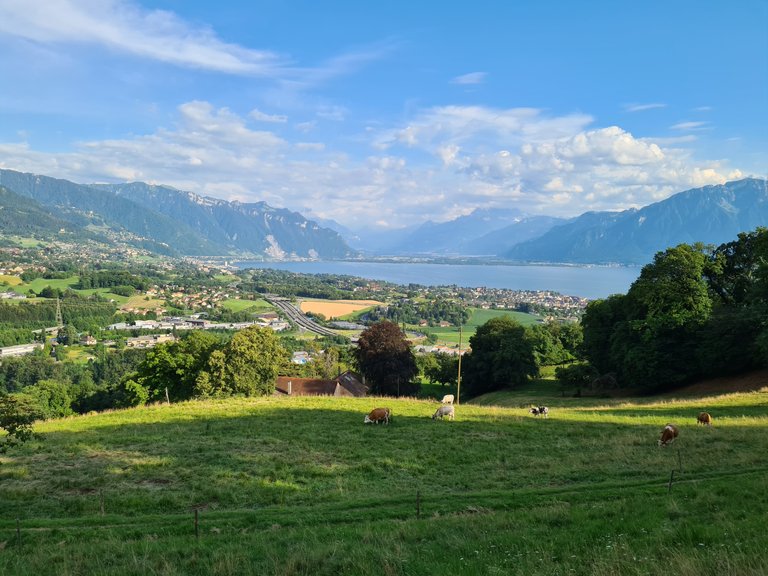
(386, 361)
(248, 364)
(502, 356)
(175, 366)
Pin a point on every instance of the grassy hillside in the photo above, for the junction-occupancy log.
(301, 486)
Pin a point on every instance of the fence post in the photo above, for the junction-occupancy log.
(197, 525)
(101, 501)
(18, 531)
(671, 477)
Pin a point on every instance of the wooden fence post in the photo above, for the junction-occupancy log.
(197, 525)
(671, 477)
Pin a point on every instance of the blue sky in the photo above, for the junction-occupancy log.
(386, 114)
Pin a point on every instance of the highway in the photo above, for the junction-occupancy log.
(297, 316)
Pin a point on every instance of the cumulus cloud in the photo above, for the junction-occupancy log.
(444, 162)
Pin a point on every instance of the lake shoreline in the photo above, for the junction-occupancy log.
(587, 281)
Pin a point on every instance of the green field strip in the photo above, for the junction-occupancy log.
(362, 510)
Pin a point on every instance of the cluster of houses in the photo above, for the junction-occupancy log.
(197, 322)
(11, 295)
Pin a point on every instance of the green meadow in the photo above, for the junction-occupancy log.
(301, 486)
(237, 305)
(478, 316)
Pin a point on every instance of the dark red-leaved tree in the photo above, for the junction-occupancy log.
(385, 358)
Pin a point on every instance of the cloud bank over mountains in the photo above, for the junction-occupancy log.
(444, 163)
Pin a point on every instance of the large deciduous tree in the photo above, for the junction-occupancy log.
(248, 365)
(386, 361)
(502, 356)
(175, 366)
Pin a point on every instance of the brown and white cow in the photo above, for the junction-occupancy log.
(704, 418)
(378, 416)
(668, 435)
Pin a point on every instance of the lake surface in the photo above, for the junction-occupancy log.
(584, 281)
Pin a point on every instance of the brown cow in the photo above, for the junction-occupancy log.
(378, 416)
(668, 435)
(704, 418)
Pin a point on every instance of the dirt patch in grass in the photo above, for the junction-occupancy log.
(749, 382)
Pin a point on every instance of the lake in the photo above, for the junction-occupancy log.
(585, 281)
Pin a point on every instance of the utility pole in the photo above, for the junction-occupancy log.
(59, 318)
(458, 377)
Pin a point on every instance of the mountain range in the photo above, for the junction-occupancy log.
(711, 215)
(170, 221)
(182, 222)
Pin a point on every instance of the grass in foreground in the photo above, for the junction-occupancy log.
(301, 486)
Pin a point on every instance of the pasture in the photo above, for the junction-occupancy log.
(300, 486)
(238, 305)
(478, 317)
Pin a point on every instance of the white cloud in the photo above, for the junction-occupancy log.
(643, 107)
(688, 126)
(260, 116)
(124, 26)
(471, 78)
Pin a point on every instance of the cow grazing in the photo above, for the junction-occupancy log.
(378, 416)
(447, 399)
(540, 411)
(704, 418)
(668, 435)
(445, 410)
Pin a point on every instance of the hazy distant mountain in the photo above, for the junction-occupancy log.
(712, 215)
(455, 237)
(499, 242)
(185, 222)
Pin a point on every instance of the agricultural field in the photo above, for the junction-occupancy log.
(10, 280)
(300, 486)
(478, 317)
(140, 301)
(332, 309)
(39, 283)
(238, 305)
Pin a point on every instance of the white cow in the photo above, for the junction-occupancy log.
(447, 399)
(445, 410)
